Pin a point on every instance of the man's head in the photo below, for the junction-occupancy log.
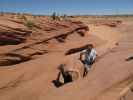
(89, 47)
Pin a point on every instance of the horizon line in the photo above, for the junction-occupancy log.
(29, 13)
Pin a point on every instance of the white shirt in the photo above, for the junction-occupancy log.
(91, 56)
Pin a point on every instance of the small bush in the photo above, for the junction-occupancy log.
(29, 24)
(23, 17)
(54, 16)
(1, 13)
(64, 16)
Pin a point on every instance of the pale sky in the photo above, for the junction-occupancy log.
(85, 7)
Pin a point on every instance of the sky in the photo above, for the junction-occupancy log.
(70, 7)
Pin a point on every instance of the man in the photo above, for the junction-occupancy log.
(67, 74)
(88, 57)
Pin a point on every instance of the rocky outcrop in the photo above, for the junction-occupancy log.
(112, 23)
(12, 33)
(39, 38)
(108, 22)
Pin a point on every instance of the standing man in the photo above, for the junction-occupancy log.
(88, 57)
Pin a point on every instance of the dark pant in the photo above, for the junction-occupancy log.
(67, 77)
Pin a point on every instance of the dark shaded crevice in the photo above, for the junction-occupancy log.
(60, 37)
(129, 58)
(13, 83)
(12, 59)
(12, 38)
(76, 50)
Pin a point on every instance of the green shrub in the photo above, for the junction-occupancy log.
(54, 16)
(29, 24)
(23, 17)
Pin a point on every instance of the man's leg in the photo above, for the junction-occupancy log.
(68, 77)
(57, 82)
(86, 69)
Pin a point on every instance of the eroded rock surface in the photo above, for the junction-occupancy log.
(37, 40)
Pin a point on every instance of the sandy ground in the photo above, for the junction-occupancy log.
(108, 78)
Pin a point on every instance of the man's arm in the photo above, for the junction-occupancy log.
(58, 77)
(82, 56)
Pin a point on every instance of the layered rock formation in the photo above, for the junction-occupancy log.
(39, 38)
(12, 33)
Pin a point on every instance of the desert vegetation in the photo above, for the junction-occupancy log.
(29, 24)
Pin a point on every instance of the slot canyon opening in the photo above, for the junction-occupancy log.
(64, 76)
